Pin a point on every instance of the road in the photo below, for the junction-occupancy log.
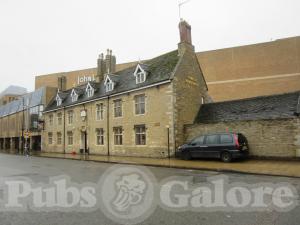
(41, 169)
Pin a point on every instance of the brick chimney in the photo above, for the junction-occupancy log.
(110, 61)
(101, 68)
(185, 43)
(62, 83)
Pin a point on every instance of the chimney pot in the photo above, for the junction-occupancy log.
(185, 32)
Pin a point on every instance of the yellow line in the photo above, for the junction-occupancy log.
(255, 78)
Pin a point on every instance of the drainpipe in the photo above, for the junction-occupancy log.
(64, 129)
(107, 118)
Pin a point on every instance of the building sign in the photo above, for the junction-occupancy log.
(85, 79)
(191, 81)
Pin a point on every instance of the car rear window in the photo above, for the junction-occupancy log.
(198, 140)
(212, 139)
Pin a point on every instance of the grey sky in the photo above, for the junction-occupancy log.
(46, 36)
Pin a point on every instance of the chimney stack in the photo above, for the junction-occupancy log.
(110, 61)
(101, 68)
(105, 65)
(62, 83)
(185, 32)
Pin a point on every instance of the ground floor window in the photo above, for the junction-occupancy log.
(118, 135)
(59, 140)
(100, 136)
(70, 138)
(50, 138)
(140, 134)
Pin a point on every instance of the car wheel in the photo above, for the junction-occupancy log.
(226, 157)
(186, 156)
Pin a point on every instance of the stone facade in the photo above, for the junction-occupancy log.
(157, 119)
(170, 80)
(267, 138)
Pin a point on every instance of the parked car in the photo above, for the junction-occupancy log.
(225, 146)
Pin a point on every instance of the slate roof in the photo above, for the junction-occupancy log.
(34, 99)
(263, 107)
(158, 69)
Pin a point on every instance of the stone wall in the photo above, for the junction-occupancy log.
(158, 119)
(267, 138)
(189, 90)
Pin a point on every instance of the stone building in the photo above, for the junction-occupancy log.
(138, 111)
(24, 114)
(270, 123)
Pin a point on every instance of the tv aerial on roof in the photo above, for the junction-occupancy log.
(181, 3)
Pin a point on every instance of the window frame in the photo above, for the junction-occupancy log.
(70, 136)
(99, 110)
(99, 136)
(137, 104)
(71, 114)
(59, 138)
(50, 137)
(140, 134)
(118, 109)
(59, 119)
(118, 136)
(51, 120)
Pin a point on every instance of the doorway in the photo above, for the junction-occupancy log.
(83, 143)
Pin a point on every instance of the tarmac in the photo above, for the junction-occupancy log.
(287, 168)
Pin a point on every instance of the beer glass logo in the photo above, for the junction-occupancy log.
(127, 194)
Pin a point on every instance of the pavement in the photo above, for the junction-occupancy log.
(288, 168)
(40, 169)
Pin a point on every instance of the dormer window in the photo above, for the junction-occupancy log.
(58, 100)
(74, 96)
(109, 84)
(90, 90)
(140, 74)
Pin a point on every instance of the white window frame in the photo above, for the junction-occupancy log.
(118, 107)
(58, 100)
(99, 111)
(70, 136)
(50, 138)
(139, 134)
(109, 84)
(99, 136)
(59, 119)
(90, 90)
(51, 120)
(138, 104)
(59, 138)
(140, 74)
(118, 136)
(74, 96)
(70, 115)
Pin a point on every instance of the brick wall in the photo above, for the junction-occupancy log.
(267, 138)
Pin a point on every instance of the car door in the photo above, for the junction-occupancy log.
(195, 147)
(213, 143)
(226, 142)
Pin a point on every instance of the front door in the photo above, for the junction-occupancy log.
(83, 143)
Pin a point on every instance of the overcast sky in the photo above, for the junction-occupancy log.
(45, 36)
